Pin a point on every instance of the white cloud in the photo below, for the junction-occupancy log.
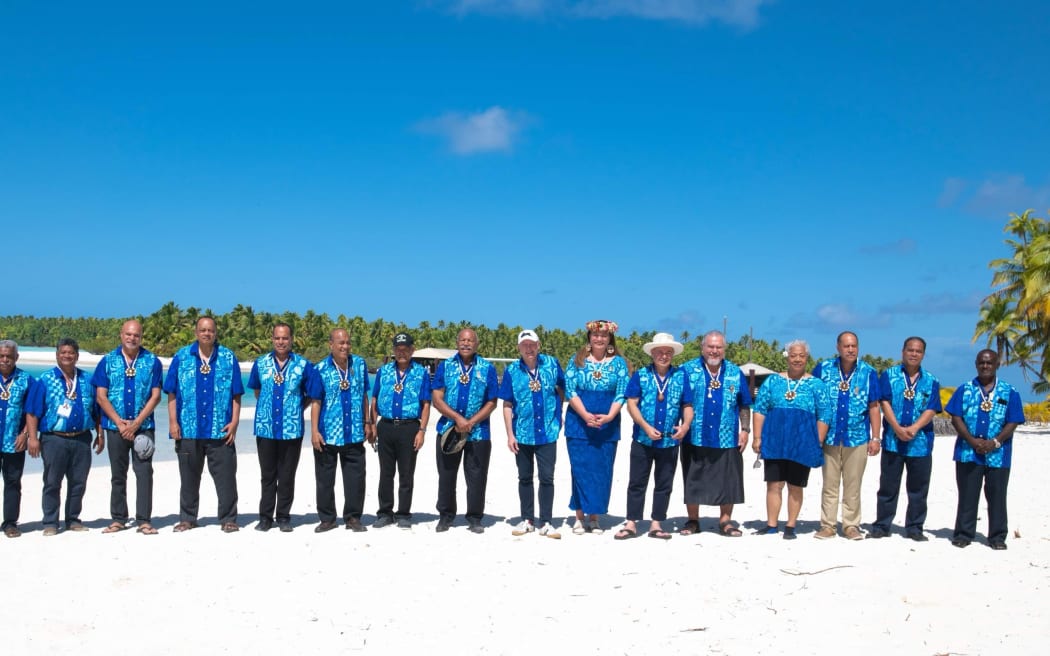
(996, 196)
(741, 13)
(494, 129)
(953, 188)
(1003, 194)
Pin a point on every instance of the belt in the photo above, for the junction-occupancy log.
(399, 422)
(73, 434)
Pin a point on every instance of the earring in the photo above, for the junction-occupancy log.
(610, 350)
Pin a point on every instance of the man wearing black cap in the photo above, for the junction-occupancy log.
(401, 398)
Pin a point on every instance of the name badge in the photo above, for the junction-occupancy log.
(65, 410)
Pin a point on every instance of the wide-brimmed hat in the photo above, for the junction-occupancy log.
(451, 441)
(143, 446)
(663, 339)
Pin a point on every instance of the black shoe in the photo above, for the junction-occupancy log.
(918, 536)
(324, 527)
(476, 527)
(383, 520)
(404, 523)
(877, 532)
(998, 546)
(789, 533)
(443, 525)
(265, 524)
(285, 526)
(354, 524)
(962, 543)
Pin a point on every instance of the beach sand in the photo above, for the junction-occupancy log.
(390, 590)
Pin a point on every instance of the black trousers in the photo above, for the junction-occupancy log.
(11, 465)
(396, 453)
(121, 454)
(351, 461)
(529, 459)
(917, 486)
(278, 462)
(475, 457)
(643, 459)
(969, 476)
(222, 465)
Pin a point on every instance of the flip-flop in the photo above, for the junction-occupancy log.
(625, 534)
(660, 534)
(730, 529)
(115, 527)
(146, 529)
(691, 527)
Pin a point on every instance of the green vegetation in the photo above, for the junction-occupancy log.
(247, 332)
(1015, 317)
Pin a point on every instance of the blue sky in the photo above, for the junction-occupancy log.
(797, 168)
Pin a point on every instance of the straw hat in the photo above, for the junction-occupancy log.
(663, 339)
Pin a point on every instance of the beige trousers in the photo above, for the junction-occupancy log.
(843, 467)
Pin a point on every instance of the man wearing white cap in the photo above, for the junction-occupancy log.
(712, 455)
(532, 391)
(659, 401)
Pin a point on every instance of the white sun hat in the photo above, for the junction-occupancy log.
(663, 339)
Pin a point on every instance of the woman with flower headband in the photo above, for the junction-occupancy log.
(595, 383)
(792, 413)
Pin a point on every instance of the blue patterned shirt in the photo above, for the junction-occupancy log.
(663, 415)
(127, 394)
(48, 402)
(851, 424)
(415, 390)
(279, 411)
(789, 431)
(13, 408)
(927, 396)
(341, 419)
(204, 401)
(599, 385)
(467, 398)
(537, 414)
(717, 424)
(985, 424)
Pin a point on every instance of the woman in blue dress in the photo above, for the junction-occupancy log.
(792, 413)
(595, 384)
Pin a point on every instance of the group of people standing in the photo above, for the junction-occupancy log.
(699, 413)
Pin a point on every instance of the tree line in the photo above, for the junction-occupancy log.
(247, 333)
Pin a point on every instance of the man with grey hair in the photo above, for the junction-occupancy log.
(712, 454)
(15, 387)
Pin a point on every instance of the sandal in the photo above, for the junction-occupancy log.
(625, 534)
(659, 534)
(230, 527)
(115, 527)
(146, 529)
(691, 527)
(184, 526)
(730, 529)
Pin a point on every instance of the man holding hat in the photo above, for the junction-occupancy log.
(401, 397)
(532, 391)
(660, 402)
(127, 384)
(712, 456)
(463, 430)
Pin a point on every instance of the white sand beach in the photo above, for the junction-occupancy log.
(389, 591)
